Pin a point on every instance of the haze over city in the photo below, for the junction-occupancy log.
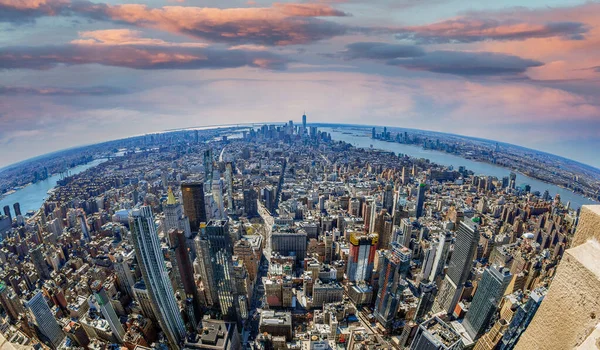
(78, 72)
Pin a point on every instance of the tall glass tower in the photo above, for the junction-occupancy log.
(459, 267)
(221, 248)
(150, 257)
(489, 292)
(44, 318)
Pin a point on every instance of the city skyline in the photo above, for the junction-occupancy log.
(522, 75)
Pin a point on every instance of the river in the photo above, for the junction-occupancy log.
(33, 196)
(364, 140)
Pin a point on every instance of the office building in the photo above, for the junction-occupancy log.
(174, 217)
(395, 265)
(108, 310)
(221, 250)
(361, 257)
(17, 209)
(289, 243)
(193, 203)
(459, 267)
(435, 334)
(45, 319)
(183, 267)
(485, 302)
(215, 335)
(11, 303)
(7, 213)
(420, 200)
(152, 263)
(276, 323)
(39, 261)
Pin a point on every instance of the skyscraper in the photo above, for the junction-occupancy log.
(205, 264)
(221, 249)
(250, 202)
(10, 302)
(152, 263)
(193, 203)
(304, 122)
(394, 267)
(108, 311)
(184, 267)
(420, 200)
(361, 257)
(17, 208)
(388, 198)
(44, 318)
(7, 213)
(39, 261)
(489, 291)
(124, 275)
(174, 218)
(459, 267)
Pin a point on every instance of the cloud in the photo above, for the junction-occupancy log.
(447, 62)
(280, 24)
(136, 57)
(27, 10)
(380, 51)
(58, 91)
(124, 37)
(467, 63)
(470, 29)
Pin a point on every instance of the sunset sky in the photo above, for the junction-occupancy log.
(75, 72)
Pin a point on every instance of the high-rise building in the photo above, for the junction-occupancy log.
(289, 243)
(7, 212)
(435, 334)
(221, 249)
(10, 302)
(193, 203)
(395, 264)
(183, 266)
(304, 122)
(388, 198)
(39, 261)
(485, 302)
(361, 257)
(250, 202)
(124, 275)
(44, 318)
(459, 267)
(108, 311)
(152, 263)
(205, 264)
(174, 218)
(420, 200)
(17, 209)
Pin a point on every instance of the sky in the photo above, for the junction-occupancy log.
(76, 72)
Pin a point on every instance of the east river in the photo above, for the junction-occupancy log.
(33, 196)
(479, 168)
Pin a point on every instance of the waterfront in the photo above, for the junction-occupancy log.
(33, 196)
(363, 140)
